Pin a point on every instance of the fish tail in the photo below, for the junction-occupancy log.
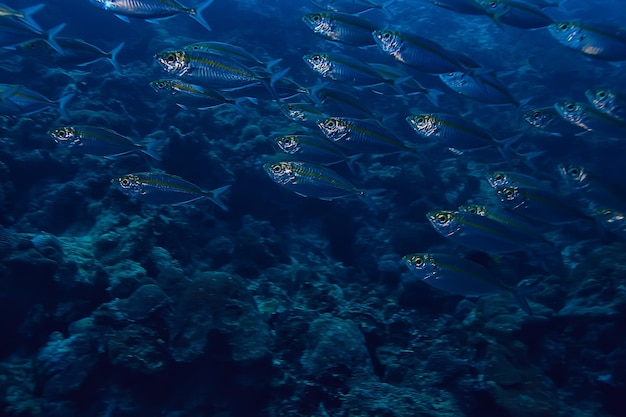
(350, 162)
(384, 7)
(366, 196)
(62, 103)
(214, 196)
(196, 13)
(52, 33)
(273, 80)
(152, 149)
(28, 11)
(113, 56)
(240, 100)
(432, 94)
(272, 63)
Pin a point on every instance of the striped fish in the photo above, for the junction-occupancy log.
(100, 141)
(608, 101)
(312, 180)
(458, 275)
(152, 9)
(17, 100)
(344, 28)
(162, 188)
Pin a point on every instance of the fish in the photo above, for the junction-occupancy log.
(481, 232)
(231, 51)
(608, 101)
(14, 32)
(100, 141)
(304, 114)
(163, 188)
(500, 179)
(591, 119)
(470, 7)
(153, 10)
(456, 133)
(75, 52)
(24, 15)
(458, 275)
(601, 42)
(336, 101)
(483, 87)
(595, 190)
(417, 52)
(211, 70)
(315, 149)
(17, 100)
(312, 180)
(345, 69)
(406, 84)
(344, 28)
(516, 13)
(362, 136)
(187, 95)
(353, 6)
(549, 120)
(541, 205)
(612, 220)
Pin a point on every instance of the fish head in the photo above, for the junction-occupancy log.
(601, 98)
(65, 136)
(161, 85)
(538, 118)
(567, 32)
(130, 184)
(574, 175)
(296, 112)
(494, 7)
(289, 144)
(609, 216)
(281, 172)
(319, 62)
(512, 196)
(106, 4)
(499, 179)
(446, 222)
(474, 209)
(388, 41)
(319, 23)
(421, 264)
(456, 79)
(335, 128)
(572, 111)
(172, 61)
(424, 124)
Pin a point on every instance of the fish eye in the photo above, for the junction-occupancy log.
(508, 192)
(498, 176)
(170, 58)
(316, 18)
(536, 115)
(418, 261)
(420, 120)
(276, 168)
(570, 106)
(441, 218)
(493, 4)
(563, 26)
(124, 182)
(573, 171)
(331, 123)
(472, 210)
(386, 35)
(601, 94)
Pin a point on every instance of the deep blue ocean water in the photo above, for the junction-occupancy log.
(295, 306)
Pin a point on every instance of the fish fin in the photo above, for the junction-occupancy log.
(62, 103)
(366, 196)
(123, 18)
(432, 94)
(269, 65)
(350, 161)
(152, 148)
(197, 14)
(214, 196)
(240, 100)
(113, 56)
(277, 76)
(28, 11)
(52, 33)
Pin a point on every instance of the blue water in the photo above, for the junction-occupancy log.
(288, 305)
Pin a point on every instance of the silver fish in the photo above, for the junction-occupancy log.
(607, 43)
(162, 188)
(311, 180)
(591, 119)
(608, 101)
(100, 141)
(419, 53)
(195, 96)
(483, 87)
(17, 100)
(231, 51)
(549, 120)
(594, 190)
(314, 149)
(344, 28)
(23, 15)
(152, 9)
(75, 52)
(516, 13)
(458, 275)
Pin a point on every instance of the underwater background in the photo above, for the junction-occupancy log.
(310, 303)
